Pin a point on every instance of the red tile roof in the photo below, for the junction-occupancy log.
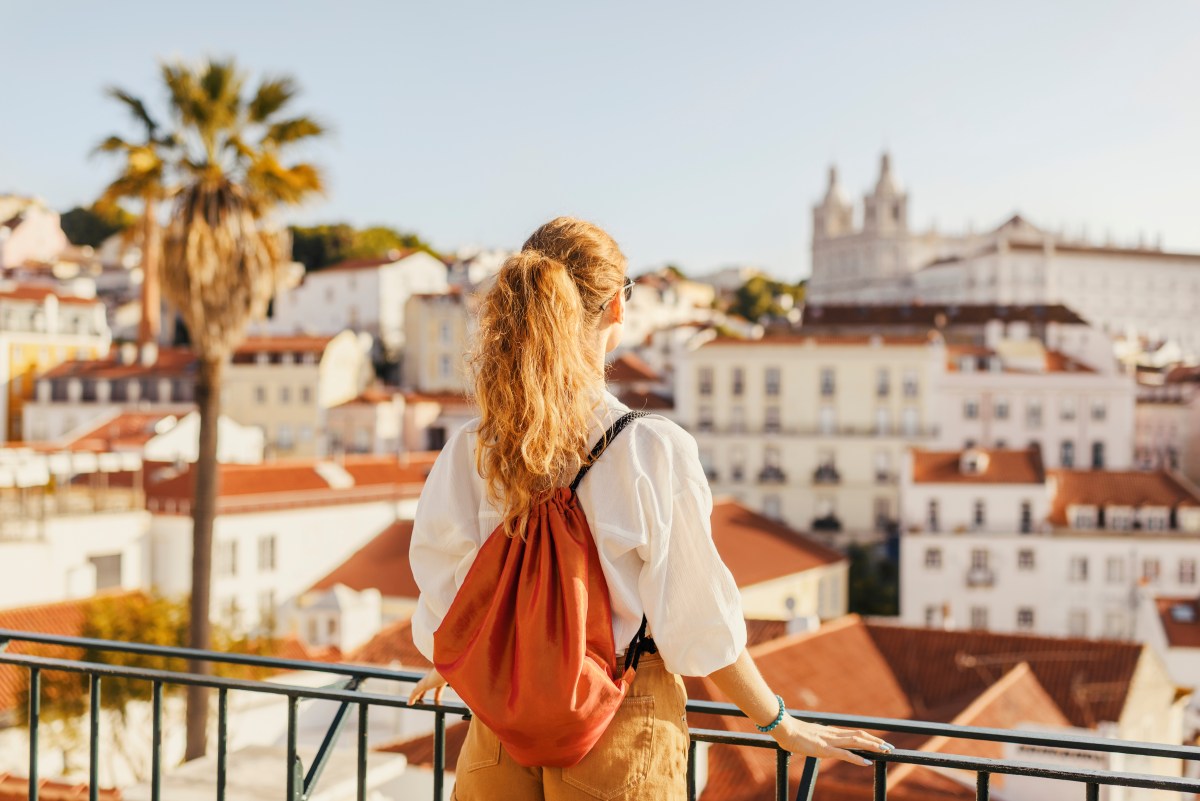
(1179, 630)
(999, 467)
(293, 482)
(64, 618)
(124, 431)
(419, 750)
(629, 368)
(392, 645)
(761, 631)
(171, 363)
(444, 398)
(16, 788)
(942, 671)
(1115, 488)
(757, 549)
(1059, 362)
(649, 401)
(374, 395)
(283, 344)
(38, 294)
(381, 564)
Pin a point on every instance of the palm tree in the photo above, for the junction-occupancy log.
(142, 178)
(222, 258)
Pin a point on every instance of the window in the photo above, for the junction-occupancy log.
(704, 421)
(827, 419)
(706, 381)
(931, 515)
(444, 332)
(1025, 559)
(883, 514)
(1066, 409)
(771, 506)
(1151, 569)
(883, 466)
(828, 383)
(260, 394)
(979, 513)
(1077, 623)
(739, 381)
(737, 460)
(1066, 454)
(737, 419)
(1001, 408)
(1026, 517)
(1099, 410)
(1097, 455)
(1187, 570)
(912, 384)
(444, 366)
(266, 553)
(971, 409)
(1115, 570)
(979, 617)
(1079, 568)
(266, 610)
(1114, 625)
(771, 423)
(883, 420)
(909, 420)
(772, 381)
(262, 357)
(108, 570)
(226, 558)
(931, 614)
(285, 394)
(1033, 414)
(306, 395)
(1119, 518)
(979, 559)
(933, 558)
(883, 382)
(283, 436)
(1025, 618)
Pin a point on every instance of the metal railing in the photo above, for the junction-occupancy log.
(299, 784)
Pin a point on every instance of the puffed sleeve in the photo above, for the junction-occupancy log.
(444, 538)
(690, 598)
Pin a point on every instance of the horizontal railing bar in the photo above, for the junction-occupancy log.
(1043, 771)
(1075, 741)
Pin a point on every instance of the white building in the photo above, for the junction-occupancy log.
(30, 231)
(1167, 429)
(811, 430)
(664, 298)
(365, 295)
(989, 545)
(1138, 292)
(279, 528)
(438, 329)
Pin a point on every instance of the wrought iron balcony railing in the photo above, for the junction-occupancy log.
(298, 784)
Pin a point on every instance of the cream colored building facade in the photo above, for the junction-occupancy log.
(811, 430)
(438, 329)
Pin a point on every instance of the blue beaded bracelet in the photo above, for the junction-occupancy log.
(778, 718)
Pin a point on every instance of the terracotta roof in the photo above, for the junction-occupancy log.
(293, 482)
(444, 398)
(1180, 631)
(16, 788)
(419, 750)
(124, 431)
(649, 401)
(374, 395)
(391, 645)
(933, 315)
(757, 549)
(1183, 375)
(38, 294)
(274, 347)
(381, 564)
(1058, 362)
(1132, 488)
(942, 671)
(64, 618)
(761, 631)
(630, 368)
(367, 263)
(999, 467)
(171, 363)
(1054, 361)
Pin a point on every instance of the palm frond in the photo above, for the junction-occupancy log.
(272, 95)
(285, 132)
(136, 107)
(112, 144)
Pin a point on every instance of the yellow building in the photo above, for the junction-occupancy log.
(40, 329)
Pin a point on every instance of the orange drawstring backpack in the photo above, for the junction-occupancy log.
(528, 641)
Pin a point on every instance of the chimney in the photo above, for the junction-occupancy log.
(149, 353)
(127, 353)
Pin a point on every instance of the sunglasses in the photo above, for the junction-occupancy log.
(627, 289)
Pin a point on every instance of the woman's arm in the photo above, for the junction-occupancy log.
(744, 686)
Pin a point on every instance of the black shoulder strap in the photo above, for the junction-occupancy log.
(599, 447)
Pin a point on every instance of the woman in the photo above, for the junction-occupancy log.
(556, 309)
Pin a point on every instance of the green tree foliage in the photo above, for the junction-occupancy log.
(763, 298)
(322, 245)
(874, 583)
(90, 227)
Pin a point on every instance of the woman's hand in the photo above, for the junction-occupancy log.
(813, 739)
(430, 681)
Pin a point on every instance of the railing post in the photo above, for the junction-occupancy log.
(808, 779)
(782, 758)
(983, 786)
(222, 740)
(35, 711)
(1093, 791)
(439, 755)
(880, 780)
(295, 776)
(156, 743)
(362, 751)
(691, 770)
(93, 737)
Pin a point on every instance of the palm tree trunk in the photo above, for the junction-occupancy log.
(208, 400)
(151, 322)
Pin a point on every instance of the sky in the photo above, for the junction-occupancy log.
(696, 133)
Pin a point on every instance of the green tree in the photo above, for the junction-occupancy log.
(222, 264)
(322, 245)
(874, 583)
(143, 178)
(89, 227)
(762, 298)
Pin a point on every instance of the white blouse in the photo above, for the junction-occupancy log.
(648, 505)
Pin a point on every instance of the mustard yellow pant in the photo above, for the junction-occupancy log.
(642, 754)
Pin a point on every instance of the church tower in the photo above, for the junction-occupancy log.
(833, 216)
(885, 211)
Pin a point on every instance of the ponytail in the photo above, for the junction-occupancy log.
(535, 369)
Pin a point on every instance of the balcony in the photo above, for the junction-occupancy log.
(771, 474)
(980, 577)
(344, 689)
(827, 474)
(827, 523)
